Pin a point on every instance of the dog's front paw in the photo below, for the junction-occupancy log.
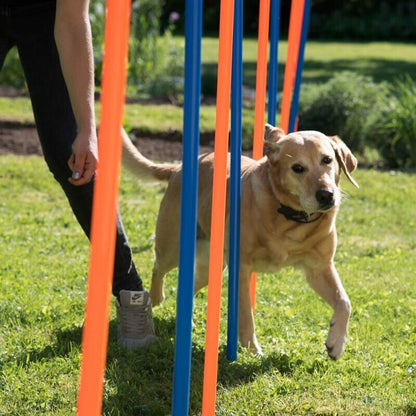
(335, 351)
(336, 341)
(156, 296)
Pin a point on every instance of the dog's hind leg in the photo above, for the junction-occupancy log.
(246, 329)
(201, 264)
(328, 285)
(157, 293)
(166, 239)
(166, 259)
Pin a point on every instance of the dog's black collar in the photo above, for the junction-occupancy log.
(298, 216)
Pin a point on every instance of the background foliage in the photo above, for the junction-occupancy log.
(348, 19)
(380, 116)
(155, 62)
(363, 109)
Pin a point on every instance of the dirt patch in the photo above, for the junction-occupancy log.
(19, 140)
(23, 140)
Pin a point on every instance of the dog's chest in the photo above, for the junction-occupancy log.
(279, 250)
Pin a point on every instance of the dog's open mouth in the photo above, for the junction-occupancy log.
(298, 216)
(327, 207)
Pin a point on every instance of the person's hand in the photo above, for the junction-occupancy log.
(83, 161)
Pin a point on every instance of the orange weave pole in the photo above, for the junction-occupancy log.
(261, 78)
(295, 30)
(103, 226)
(260, 104)
(218, 206)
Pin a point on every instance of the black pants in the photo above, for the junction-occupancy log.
(31, 30)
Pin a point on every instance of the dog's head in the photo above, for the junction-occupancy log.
(306, 166)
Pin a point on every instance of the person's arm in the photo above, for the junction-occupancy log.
(74, 42)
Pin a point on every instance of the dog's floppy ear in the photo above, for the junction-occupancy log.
(271, 138)
(272, 134)
(345, 158)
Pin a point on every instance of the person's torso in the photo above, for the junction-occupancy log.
(21, 3)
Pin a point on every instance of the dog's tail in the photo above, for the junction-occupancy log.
(144, 168)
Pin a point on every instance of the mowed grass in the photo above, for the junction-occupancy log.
(384, 61)
(381, 60)
(44, 261)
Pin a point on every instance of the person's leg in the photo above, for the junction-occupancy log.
(57, 128)
(6, 41)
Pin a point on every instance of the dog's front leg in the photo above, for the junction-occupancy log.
(157, 293)
(328, 285)
(246, 330)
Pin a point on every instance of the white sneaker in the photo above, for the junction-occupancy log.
(134, 312)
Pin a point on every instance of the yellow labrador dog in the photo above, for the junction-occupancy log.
(289, 202)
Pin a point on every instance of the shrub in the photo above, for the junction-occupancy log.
(403, 121)
(365, 114)
(167, 77)
(12, 73)
(341, 107)
(155, 62)
(393, 128)
(377, 135)
(144, 31)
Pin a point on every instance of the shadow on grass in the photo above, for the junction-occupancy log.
(142, 381)
(67, 342)
(316, 71)
(410, 410)
(379, 69)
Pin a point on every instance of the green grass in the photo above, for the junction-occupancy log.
(43, 266)
(381, 60)
(146, 117)
(16, 110)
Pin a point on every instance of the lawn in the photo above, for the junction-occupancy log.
(44, 263)
(383, 61)
(380, 60)
(43, 267)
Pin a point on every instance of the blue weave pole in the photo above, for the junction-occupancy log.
(294, 106)
(235, 181)
(189, 193)
(273, 61)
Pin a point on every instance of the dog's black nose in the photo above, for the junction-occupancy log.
(325, 197)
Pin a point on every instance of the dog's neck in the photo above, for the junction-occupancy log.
(298, 216)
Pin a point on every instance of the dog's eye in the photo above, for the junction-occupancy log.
(298, 168)
(326, 160)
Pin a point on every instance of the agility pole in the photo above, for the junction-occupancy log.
(235, 181)
(103, 226)
(273, 61)
(295, 30)
(104, 211)
(218, 206)
(261, 79)
(299, 68)
(189, 196)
